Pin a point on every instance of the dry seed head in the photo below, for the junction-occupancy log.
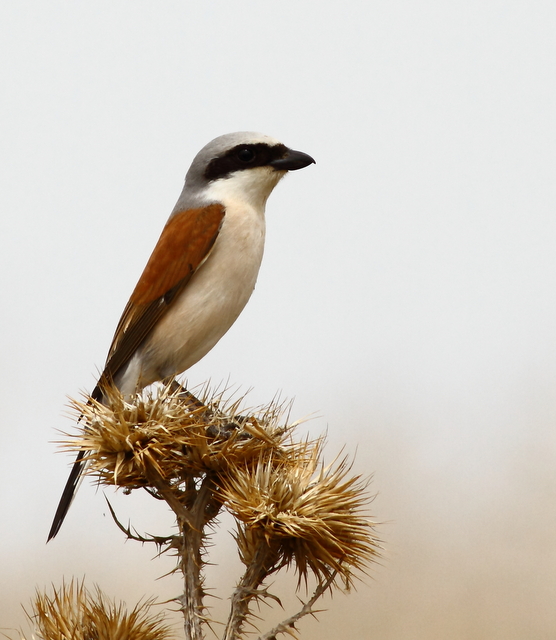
(74, 613)
(157, 429)
(307, 517)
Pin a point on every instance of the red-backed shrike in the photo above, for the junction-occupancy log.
(202, 270)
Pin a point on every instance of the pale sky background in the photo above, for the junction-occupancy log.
(407, 294)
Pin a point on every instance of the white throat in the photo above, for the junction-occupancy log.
(249, 187)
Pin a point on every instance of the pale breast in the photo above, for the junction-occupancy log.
(209, 304)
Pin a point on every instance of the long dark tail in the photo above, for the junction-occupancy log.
(67, 495)
(73, 480)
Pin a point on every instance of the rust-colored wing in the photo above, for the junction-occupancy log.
(183, 246)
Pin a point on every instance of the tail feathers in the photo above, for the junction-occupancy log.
(67, 495)
(74, 478)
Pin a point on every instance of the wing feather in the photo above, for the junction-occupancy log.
(183, 246)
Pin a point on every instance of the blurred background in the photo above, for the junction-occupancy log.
(407, 294)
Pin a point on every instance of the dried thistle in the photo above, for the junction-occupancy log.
(126, 439)
(307, 517)
(293, 511)
(73, 613)
(201, 455)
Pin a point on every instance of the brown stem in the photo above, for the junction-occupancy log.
(202, 506)
(260, 567)
(192, 598)
(158, 540)
(288, 624)
(157, 481)
(191, 601)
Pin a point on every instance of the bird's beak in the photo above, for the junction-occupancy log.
(292, 160)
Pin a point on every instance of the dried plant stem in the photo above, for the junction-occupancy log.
(202, 506)
(191, 600)
(205, 507)
(157, 481)
(258, 569)
(288, 625)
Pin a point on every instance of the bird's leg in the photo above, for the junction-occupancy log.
(214, 430)
(227, 429)
(191, 402)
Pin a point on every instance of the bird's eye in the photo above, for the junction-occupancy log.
(245, 154)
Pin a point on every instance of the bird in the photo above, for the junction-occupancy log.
(200, 274)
